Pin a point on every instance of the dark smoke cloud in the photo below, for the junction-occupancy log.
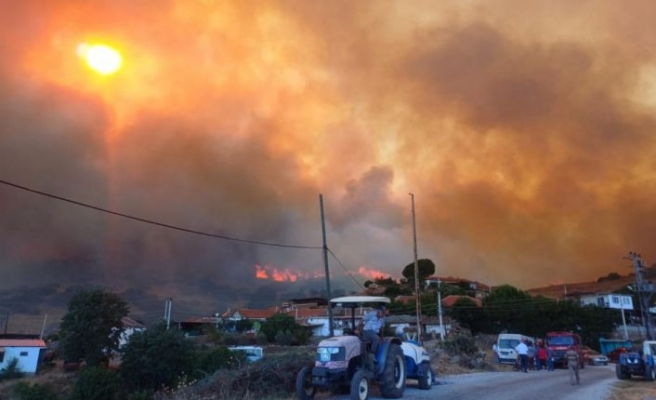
(527, 143)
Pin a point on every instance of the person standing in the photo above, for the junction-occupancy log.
(542, 356)
(522, 352)
(550, 360)
(495, 350)
(573, 365)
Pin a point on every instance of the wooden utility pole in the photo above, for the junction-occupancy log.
(325, 263)
(418, 299)
(645, 292)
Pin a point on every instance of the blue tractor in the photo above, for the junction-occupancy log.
(637, 362)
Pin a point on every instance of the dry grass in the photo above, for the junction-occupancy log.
(634, 389)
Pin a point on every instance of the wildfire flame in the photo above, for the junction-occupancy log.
(282, 275)
(372, 273)
(268, 272)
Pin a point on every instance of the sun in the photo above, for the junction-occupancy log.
(101, 58)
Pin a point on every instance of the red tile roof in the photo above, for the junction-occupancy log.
(257, 314)
(22, 343)
(449, 301)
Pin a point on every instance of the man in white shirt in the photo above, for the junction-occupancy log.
(522, 352)
(374, 322)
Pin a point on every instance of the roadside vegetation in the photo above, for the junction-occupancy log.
(162, 363)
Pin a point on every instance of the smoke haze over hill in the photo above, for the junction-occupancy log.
(524, 129)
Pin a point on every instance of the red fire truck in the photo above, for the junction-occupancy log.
(559, 342)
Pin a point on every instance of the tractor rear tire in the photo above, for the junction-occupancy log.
(619, 372)
(650, 374)
(393, 377)
(426, 381)
(304, 387)
(359, 386)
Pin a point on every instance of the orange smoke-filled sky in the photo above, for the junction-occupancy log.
(525, 130)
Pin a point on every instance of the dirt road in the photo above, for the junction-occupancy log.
(536, 385)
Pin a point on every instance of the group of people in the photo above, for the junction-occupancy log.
(538, 355)
(542, 359)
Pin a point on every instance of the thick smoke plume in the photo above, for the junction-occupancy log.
(524, 130)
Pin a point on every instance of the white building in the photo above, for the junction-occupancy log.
(612, 300)
(26, 351)
(130, 327)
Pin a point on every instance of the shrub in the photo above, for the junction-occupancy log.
(209, 361)
(26, 391)
(140, 395)
(461, 345)
(11, 371)
(95, 383)
(156, 358)
(272, 377)
(284, 338)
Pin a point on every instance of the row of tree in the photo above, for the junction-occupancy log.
(506, 308)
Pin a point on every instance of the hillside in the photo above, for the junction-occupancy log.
(608, 284)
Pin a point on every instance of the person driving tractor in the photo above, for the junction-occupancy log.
(372, 327)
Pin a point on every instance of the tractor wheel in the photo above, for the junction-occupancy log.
(619, 372)
(426, 381)
(360, 386)
(651, 374)
(393, 377)
(304, 387)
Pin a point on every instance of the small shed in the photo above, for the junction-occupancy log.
(26, 351)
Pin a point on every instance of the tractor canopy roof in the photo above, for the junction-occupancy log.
(359, 301)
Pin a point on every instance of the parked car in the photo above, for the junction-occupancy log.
(593, 357)
(614, 355)
(597, 359)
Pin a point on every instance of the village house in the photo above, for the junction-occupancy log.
(130, 327)
(28, 352)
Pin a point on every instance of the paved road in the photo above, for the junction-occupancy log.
(535, 385)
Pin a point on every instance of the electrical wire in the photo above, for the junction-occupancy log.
(349, 273)
(147, 221)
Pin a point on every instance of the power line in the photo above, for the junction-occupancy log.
(147, 221)
(347, 271)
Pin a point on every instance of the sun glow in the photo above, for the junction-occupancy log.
(101, 58)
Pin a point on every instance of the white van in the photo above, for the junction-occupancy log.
(253, 353)
(506, 343)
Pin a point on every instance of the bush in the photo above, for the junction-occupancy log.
(284, 338)
(272, 377)
(461, 345)
(95, 383)
(26, 391)
(11, 371)
(140, 395)
(208, 362)
(156, 358)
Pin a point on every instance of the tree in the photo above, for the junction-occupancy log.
(95, 383)
(156, 358)
(505, 308)
(244, 325)
(276, 327)
(468, 314)
(426, 268)
(92, 326)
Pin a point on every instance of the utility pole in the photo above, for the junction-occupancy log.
(645, 291)
(43, 327)
(167, 312)
(327, 271)
(418, 299)
(439, 308)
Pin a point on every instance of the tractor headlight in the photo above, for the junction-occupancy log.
(325, 354)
